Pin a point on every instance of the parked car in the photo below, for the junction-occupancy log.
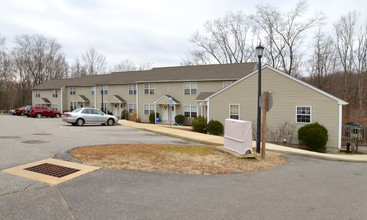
(39, 111)
(19, 111)
(83, 116)
(27, 110)
(12, 111)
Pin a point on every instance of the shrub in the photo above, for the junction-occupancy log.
(152, 118)
(214, 127)
(199, 124)
(133, 115)
(180, 119)
(125, 114)
(314, 136)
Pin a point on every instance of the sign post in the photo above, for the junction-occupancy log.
(170, 112)
(266, 102)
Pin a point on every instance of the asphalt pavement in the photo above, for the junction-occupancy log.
(305, 188)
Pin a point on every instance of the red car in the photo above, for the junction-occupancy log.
(39, 111)
(19, 111)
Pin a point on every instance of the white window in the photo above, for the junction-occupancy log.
(190, 88)
(38, 93)
(72, 106)
(132, 89)
(54, 93)
(92, 90)
(149, 88)
(227, 83)
(54, 107)
(72, 91)
(149, 108)
(190, 111)
(234, 111)
(104, 107)
(132, 107)
(104, 90)
(303, 114)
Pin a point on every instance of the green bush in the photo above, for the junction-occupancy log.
(214, 127)
(314, 136)
(180, 119)
(199, 124)
(125, 114)
(152, 118)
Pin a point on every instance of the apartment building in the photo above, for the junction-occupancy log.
(216, 92)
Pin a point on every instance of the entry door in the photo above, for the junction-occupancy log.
(115, 110)
(165, 114)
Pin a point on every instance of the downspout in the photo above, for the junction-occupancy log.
(208, 112)
(61, 101)
(137, 100)
(340, 126)
(95, 97)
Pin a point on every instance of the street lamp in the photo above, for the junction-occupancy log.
(259, 53)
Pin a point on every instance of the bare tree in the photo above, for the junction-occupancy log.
(94, 62)
(344, 33)
(128, 65)
(322, 61)
(77, 69)
(224, 40)
(361, 64)
(284, 34)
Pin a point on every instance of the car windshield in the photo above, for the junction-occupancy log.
(76, 110)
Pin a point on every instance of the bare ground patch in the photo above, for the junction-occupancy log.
(172, 158)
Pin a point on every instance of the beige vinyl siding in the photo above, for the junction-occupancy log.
(120, 90)
(176, 90)
(47, 94)
(287, 94)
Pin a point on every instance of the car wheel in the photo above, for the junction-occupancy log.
(57, 115)
(80, 122)
(110, 122)
(39, 115)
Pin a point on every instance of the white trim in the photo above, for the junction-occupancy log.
(137, 100)
(239, 111)
(61, 107)
(340, 102)
(95, 96)
(310, 114)
(208, 112)
(165, 96)
(340, 126)
(188, 80)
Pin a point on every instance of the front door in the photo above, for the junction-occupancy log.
(165, 114)
(116, 110)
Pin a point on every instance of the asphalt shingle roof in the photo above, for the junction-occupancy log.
(162, 74)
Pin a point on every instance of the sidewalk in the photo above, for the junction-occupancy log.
(184, 133)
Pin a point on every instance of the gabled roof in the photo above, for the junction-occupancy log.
(340, 101)
(84, 99)
(162, 74)
(46, 101)
(117, 98)
(174, 101)
(203, 95)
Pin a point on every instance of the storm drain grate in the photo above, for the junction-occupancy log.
(52, 170)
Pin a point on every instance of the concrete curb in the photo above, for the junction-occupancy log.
(218, 141)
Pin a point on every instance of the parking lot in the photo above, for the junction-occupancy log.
(303, 189)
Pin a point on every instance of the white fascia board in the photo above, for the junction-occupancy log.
(188, 80)
(165, 96)
(340, 101)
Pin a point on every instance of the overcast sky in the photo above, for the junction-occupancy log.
(155, 31)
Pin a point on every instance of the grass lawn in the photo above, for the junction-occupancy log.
(199, 159)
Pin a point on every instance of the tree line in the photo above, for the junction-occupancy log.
(333, 60)
(35, 59)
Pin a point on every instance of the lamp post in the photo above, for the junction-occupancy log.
(102, 90)
(259, 53)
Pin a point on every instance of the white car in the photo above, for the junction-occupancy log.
(83, 116)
